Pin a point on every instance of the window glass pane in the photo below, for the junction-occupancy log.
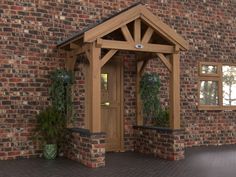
(209, 93)
(209, 69)
(104, 80)
(229, 85)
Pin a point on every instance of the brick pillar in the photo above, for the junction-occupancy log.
(86, 147)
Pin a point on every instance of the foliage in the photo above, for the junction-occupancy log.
(163, 119)
(149, 90)
(50, 125)
(60, 90)
(229, 81)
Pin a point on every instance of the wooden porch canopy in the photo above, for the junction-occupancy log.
(133, 29)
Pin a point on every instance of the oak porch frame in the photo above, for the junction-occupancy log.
(93, 53)
(91, 43)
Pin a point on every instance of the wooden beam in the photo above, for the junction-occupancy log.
(122, 45)
(107, 57)
(165, 61)
(71, 60)
(81, 49)
(74, 46)
(147, 36)
(163, 28)
(61, 46)
(87, 52)
(141, 64)
(112, 24)
(87, 114)
(128, 37)
(175, 92)
(95, 88)
(137, 31)
(138, 98)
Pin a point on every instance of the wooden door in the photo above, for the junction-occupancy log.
(110, 105)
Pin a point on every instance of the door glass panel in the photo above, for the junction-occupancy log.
(229, 85)
(209, 69)
(104, 81)
(209, 93)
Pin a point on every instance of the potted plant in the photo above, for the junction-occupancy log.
(50, 128)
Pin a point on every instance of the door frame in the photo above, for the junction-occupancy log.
(120, 62)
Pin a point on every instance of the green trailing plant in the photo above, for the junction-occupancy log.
(50, 125)
(163, 119)
(149, 92)
(60, 90)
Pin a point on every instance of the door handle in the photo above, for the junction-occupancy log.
(105, 104)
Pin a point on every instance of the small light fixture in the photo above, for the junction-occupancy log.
(139, 46)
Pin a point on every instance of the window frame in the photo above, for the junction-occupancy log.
(213, 77)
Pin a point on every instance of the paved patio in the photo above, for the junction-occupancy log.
(199, 162)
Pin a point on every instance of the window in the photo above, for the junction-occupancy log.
(217, 86)
(229, 85)
(209, 92)
(104, 81)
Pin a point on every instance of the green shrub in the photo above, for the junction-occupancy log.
(60, 90)
(51, 125)
(163, 119)
(149, 91)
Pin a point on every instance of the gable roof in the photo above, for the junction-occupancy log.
(124, 17)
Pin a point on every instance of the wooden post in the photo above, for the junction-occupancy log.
(70, 66)
(140, 67)
(94, 93)
(175, 92)
(87, 122)
(138, 98)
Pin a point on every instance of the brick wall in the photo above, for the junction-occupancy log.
(29, 31)
(161, 142)
(85, 147)
(78, 115)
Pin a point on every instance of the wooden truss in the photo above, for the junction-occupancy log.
(136, 29)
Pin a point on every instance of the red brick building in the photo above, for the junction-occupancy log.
(30, 32)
